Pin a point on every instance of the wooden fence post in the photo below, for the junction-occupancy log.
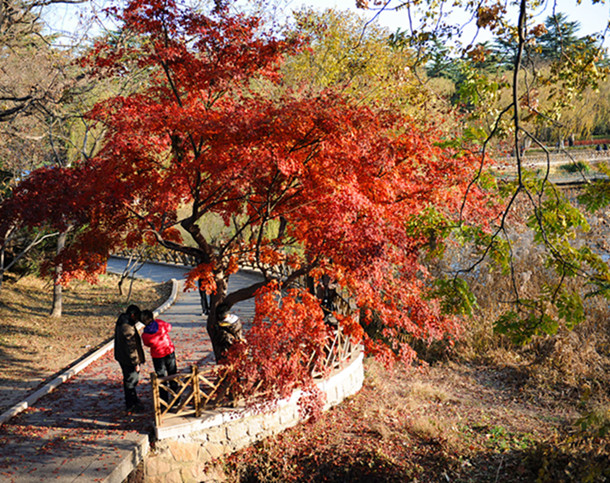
(156, 399)
(196, 393)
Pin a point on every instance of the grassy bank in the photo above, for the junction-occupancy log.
(454, 422)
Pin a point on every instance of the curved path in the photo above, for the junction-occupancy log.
(80, 432)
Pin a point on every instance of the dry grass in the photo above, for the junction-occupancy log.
(563, 365)
(34, 346)
(449, 422)
(565, 362)
(428, 392)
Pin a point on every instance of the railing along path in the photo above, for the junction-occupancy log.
(557, 158)
(189, 393)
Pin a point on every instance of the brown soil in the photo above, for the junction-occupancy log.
(34, 346)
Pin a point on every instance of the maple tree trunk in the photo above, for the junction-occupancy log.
(221, 296)
(57, 288)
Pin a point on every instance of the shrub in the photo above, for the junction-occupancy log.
(576, 167)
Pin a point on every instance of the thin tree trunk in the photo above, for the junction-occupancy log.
(7, 239)
(4, 268)
(57, 287)
(134, 263)
(130, 289)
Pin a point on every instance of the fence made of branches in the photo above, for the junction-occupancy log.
(190, 393)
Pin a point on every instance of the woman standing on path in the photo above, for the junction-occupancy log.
(162, 350)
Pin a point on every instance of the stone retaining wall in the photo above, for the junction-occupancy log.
(183, 450)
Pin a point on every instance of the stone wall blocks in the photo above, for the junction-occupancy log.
(289, 415)
(216, 450)
(173, 477)
(271, 421)
(183, 458)
(237, 431)
(156, 465)
(216, 435)
(183, 451)
(200, 472)
(154, 479)
(238, 444)
(209, 473)
(255, 427)
(332, 396)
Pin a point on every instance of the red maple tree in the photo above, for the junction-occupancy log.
(320, 186)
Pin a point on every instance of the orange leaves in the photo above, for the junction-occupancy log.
(479, 53)
(214, 52)
(205, 273)
(351, 327)
(288, 183)
(172, 234)
(287, 330)
(539, 30)
(491, 16)
(233, 266)
(270, 256)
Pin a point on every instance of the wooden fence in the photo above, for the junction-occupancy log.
(165, 256)
(189, 393)
(337, 351)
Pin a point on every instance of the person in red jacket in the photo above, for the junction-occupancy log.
(162, 351)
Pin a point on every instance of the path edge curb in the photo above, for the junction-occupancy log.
(68, 374)
(131, 462)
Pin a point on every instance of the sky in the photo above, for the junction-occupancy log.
(592, 18)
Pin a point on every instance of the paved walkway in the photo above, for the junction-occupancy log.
(80, 432)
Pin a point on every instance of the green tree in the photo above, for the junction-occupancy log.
(508, 108)
(560, 37)
(360, 59)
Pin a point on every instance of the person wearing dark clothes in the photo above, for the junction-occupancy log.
(229, 331)
(129, 354)
(205, 302)
(156, 336)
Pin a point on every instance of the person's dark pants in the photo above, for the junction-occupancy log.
(130, 381)
(166, 366)
(205, 302)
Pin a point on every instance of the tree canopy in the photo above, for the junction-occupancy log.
(314, 186)
(317, 157)
(529, 90)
